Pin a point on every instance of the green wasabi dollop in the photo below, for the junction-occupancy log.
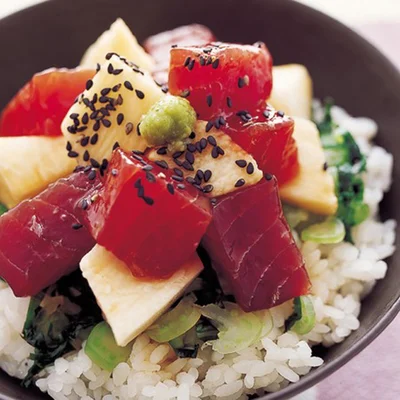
(168, 121)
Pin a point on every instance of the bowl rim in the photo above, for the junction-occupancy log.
(322, 372)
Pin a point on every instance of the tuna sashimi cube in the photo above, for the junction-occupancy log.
(43, 239)
(147, 217)
(252, 248)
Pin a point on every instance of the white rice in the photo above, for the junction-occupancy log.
(341, 275)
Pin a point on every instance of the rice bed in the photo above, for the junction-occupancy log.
(342, 275)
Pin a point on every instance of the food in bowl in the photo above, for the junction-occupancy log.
(184, 222)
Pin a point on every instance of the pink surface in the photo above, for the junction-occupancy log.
(373, 374)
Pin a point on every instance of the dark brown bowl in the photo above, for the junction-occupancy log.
(342, 64)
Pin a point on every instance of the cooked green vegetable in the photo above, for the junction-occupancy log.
(237, 329)
(332, 230)
(346, 163)
(302, 321)
(170, 120)
(185, 346)
(103, 350)
(175, 322)
(57, 320)
(295, 216)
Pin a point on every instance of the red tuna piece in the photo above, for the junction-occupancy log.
(251, 246)
(146, 218)
(40, 106)
(160, 45)
(267, 136)
(42, 239)
(221, 78)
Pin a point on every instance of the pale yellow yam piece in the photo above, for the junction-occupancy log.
(225, 172)
(28, 164)
(292, 90)
(131, 305)
(313, 188)
(128, 94)
(118, 39)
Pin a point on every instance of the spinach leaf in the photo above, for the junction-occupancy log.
(57, 319)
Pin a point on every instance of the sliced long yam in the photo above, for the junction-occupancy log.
(131, 305)
(28, 164)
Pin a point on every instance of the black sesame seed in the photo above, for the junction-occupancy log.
(105, 91)
(94, 139)
(209, 126)
(208, 188)
(214, 152)
(104, 111)
(221, 120)
(137, 153)
(116, 145)
(207, 175)
(76, 226)
(192, 135)
(94, 114)
(116, 87)
(94, 163)
(162, 164)
(185, 93)
(178, 172)
(174, 46)
(191, 65)
(94, 101)
(215, 63)
(82, 129)
(186, 164)
(85, 141)
(92, 175)
(200, 175)
(207, 50)
(150, 177)
(268, 177)
(87, 168)
(250, 168)
(96, 126)
(147, 167)
(138, 129)
(177, 178)
(325, 166)
(178, 162)
(109, 55)
(229, 102)
(162, 151)
(266, 114)
(191, 147)
(88, 103)
(73, 154)
(128, 128)
(117, 71)
(164, 89)
(170, 188)
(84, 204)
(280, 114)
(187, 61)
(202, 61)
(209, 61)
(177, 154)
(71, 129)
(69, 146)
(139, 94)
(181, 186)
(190, 180)
(85, 119)
(241, 82)
(203, 143)
(104, 99)
(211, 140)
(128, 85)
(110, 68)
(198, 147)
(217, 124)
(120, 119)
(240, 183)
(74, 116)
(220, 151)
(104, 164)
(148, 201)
(209, 100)
(118, 102)
(106, 122)
(98, 67)
(241, 163)
(86, 156)
(189, 157)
